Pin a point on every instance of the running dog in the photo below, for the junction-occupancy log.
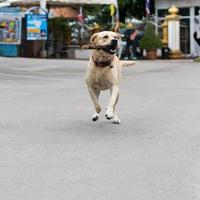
(104, 72)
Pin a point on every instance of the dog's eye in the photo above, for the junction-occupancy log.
(105, 37)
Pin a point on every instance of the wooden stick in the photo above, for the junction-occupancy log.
(92, 46)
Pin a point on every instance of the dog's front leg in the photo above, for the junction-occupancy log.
(116, 119)
(112, 102)
(94, 94)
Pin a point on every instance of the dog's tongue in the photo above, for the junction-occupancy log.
(113, 47)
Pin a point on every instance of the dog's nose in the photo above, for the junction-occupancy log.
(114, 42)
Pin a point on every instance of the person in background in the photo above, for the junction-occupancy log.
(132, 36)
(129, 43)
(136, 37)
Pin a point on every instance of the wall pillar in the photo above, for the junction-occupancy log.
(165, 34)
(173, 21)
(192, 30)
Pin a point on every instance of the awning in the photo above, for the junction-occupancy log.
(69, 2)
(84, 1)
(4, 4)
(64, 11)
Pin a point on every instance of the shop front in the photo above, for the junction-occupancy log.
(65, 31)
(53, 23)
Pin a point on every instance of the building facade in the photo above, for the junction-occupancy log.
(65, 30)
(190, 21)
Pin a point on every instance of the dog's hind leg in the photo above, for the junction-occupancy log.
(94, 94)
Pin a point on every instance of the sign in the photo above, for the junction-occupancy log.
(36, 25)
(10, 29)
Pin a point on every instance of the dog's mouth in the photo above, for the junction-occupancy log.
(111, 48)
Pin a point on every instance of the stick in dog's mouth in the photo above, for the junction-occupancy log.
(112, 48)
(91, 46)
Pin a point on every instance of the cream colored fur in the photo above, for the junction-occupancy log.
(103, 78)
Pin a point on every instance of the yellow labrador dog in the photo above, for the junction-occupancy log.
(104, 72)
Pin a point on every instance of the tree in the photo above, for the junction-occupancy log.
(101, 14)
(129, 8)
(135, 8)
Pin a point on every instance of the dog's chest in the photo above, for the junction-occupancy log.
(102, 81)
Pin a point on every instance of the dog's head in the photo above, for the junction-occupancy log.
(108, 39)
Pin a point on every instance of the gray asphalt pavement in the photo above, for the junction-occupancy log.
(51, 150)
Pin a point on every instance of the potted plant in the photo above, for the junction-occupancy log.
(150, 42)
(197, 59)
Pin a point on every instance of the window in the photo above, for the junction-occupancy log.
(197, 10)
(162, 13)
(182, 12)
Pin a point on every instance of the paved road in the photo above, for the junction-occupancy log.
(51, 150)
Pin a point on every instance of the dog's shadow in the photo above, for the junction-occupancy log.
(100, 127)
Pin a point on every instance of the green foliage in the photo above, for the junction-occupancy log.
(127, 8)
(101, 14)
(197, 59)
(59, 27)
(131, 8)
(150, 39)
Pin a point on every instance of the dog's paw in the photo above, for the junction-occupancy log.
(109, 114)
(95, 117)
(116, 120)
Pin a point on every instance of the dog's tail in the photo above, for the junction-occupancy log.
(125, 63)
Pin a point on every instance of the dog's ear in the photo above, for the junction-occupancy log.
(93, 38)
